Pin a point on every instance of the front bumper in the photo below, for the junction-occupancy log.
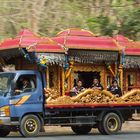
(5, 121)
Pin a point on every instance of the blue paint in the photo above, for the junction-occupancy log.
(33, 104)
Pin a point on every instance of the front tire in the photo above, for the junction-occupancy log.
(30, 126)
(110, 124)
(81, 130)
(4, 132)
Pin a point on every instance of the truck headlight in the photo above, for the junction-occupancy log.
(5, 111)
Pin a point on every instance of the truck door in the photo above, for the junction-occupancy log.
(27, 96)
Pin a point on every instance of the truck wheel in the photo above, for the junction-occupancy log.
(30, 126)
(81, 129)
(4, 132)
(110, 124)
(101, 129)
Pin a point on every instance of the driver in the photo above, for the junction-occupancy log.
(24, 86)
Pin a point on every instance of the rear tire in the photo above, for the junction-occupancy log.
(110, 124)
(30, 126)
(4, 132)
(81, 130)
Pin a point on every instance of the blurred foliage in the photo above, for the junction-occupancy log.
(48, 17)
(129, 26)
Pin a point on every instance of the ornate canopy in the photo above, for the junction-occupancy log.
(131, 51)
(25, 43)
(80, 45)
(23, 39)
(10, 47)
(83, 46)
(130, 47)
(86, 40)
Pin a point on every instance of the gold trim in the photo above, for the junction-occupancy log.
(121, 76)
(110, 69)
(47, 77)
(63, 81)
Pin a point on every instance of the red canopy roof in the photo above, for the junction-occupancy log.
(83, 39)
(71, 39)
(28, 39)
(47, 46)
(123, 41)
(75, 32)
(132, 51)
(84, 42)
(24, 39)
(131, 47)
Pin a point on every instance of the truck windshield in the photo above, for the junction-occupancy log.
(5, 83)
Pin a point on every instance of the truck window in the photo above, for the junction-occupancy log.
(26, 83)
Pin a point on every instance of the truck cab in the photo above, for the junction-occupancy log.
(21, 100)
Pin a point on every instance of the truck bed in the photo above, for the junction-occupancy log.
(51, 106)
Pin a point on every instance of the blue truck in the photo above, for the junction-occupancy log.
(27, 112)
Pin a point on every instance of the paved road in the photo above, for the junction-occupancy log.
(93, 136)
(130, 131)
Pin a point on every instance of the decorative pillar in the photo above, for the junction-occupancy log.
(116, 68)
(112, 72)
(68, 72)
(63, 81)
(59, 78)
(47, 77)
(121, 69)
(121, 76)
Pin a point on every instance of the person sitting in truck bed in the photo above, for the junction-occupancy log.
(115, 89)
(96, 84)
(77, 89)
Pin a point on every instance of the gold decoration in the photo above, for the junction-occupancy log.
(109, 67)
(71, 63)
(90, 96)
(121, 76)
(63, 81)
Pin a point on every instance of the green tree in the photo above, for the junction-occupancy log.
(47, 17)
(126, 21)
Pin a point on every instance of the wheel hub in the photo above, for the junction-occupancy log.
(30, 125)
(112, 124)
